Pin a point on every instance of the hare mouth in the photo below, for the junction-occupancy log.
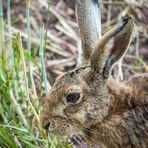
(78, 141)
(49, 132)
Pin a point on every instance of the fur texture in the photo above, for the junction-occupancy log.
(90, 102)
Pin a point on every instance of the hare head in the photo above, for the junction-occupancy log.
(80, 98)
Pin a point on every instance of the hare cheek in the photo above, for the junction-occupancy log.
(62, 126)
(81, 116)
(76, 114)
(59, 111)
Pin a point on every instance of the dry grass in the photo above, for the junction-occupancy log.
(63, 38)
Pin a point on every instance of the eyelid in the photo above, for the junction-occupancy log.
(73, 89)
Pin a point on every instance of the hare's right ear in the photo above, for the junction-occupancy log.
(89, 21)
(111, 47)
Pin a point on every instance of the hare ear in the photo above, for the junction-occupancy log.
(111, 47)
(89, 20)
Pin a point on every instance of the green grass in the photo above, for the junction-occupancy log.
(19, 101)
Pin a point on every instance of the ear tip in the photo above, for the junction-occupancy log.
(127, 20)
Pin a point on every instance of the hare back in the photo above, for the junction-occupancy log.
(133, 127)
(139, 86)
(126, 125)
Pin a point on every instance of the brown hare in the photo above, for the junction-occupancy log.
(88, 101)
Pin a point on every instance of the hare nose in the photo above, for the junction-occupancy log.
(46, 125)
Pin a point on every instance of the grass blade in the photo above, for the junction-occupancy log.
(26, 79)
(28, 4)
(41, 53)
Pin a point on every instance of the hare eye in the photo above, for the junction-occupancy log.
(73, 97)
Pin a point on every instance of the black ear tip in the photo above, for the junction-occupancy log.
(126, 18)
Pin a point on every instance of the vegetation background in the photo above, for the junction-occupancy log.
(39, 40)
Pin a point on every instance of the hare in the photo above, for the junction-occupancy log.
(88, 101)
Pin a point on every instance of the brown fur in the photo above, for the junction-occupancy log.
(127, 119)
(107, 112)
(118, 119)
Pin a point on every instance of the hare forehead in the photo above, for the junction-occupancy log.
(64, 84)
(73, 76)
(58, 93)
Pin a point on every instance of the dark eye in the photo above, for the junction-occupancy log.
(73, 97)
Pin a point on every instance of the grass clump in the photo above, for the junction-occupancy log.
(19, 101)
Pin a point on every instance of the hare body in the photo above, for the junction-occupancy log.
(116, 116)
(90, 102)
(126, 124)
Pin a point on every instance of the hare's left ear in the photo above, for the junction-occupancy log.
(111, 47)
